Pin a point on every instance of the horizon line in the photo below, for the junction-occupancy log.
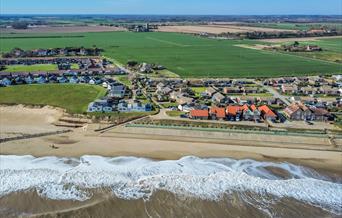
(97, 14)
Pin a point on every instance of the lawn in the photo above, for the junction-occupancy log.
(30, 68)
(73, 98)
(183, 54)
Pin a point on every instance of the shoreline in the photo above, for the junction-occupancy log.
(161, 144)
(162, 147)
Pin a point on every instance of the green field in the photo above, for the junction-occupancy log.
(298, 26)
(183, 54)
(30, 68)
(332, 50)
(73, 98)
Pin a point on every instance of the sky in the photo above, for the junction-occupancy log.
(173, 7)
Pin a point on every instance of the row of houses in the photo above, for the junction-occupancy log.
(311, 90)
(299, 111)
(107, 105)
(235, 113)
(68, 51)
(55, 78)
(316, 81)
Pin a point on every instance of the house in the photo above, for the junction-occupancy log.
(217, 113)
(250, 90)
(218, 97)
(100, 106)
(234, 113)
(184, 100)
(117, 91)
(256, 113)
(267, 113)
(135, 106)
(5, 82)
(320, 114)
(289, 89)
(248, 114)
(308, 90)
(41, 80)
(210, 91)
(62, 79)
(199, 114)
(29, 79)
(328, 90)
(298, 111)
(74, 80)
(231, 90)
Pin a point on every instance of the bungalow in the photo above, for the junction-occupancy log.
(248, 114)
(117, 91)
(320, 114)
(74, 80)
(256, 113)
(267, 113)
(308, 90)
(210, 91)
(217, 113)
(218, 97)
(29, 79)
(136, 106)
(289, 89)
(234, 113)
(298, 111)
(328, 90)
(100, 106)
(5, 82)
(199, 114)
(40, 80)
(62, 79)
(250, 90)
(184, 100)
(231, 90)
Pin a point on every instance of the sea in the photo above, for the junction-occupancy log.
(96, 186)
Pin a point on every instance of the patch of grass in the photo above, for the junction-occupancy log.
(30, 68)
(167, 105)
(73, 98)
(75, 66)
(198, 90)
(124, 80)
(185, 55)
(175, 113)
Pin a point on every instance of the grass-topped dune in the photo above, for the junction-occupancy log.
(73, 98)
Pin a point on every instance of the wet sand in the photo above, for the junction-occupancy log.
(161, 204)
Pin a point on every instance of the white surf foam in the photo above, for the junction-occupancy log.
(134, 178)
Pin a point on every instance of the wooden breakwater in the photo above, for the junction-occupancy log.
(28, 136)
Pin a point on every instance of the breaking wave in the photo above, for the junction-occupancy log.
(136, 178)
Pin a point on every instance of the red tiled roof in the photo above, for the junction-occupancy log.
(267, 111)
(199, 113)
(245, 108)
(220, 112)
(253, 107)
(232, 110)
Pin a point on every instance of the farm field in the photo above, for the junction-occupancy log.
(297, 26)
(73, 98)
(30, 68)
(332, 50)
(185, 55)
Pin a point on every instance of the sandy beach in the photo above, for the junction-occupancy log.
(161, 144)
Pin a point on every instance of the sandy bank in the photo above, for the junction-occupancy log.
(20, 120)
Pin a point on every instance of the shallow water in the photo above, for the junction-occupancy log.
(191, 186)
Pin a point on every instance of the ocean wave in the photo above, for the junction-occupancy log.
(136, 178)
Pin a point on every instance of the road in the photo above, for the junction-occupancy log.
(275, 93)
